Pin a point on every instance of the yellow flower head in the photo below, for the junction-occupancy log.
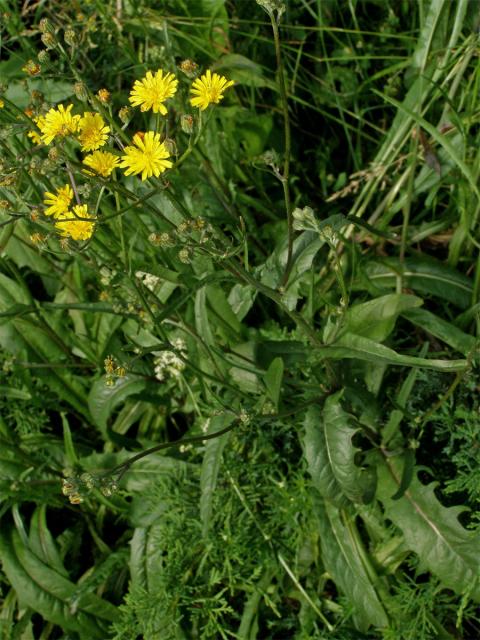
(58, 122)
(33, 134)
(102, 163)
(2, 103)
(152, 91)
(148, 156)
(59, 202)
(77, 224)
(208, 89)
(93, 131)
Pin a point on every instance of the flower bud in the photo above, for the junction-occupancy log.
(171, 146)
(43, 56)
(189, 68)
(184, 256)
(70, 37)
(186, 122)
(45, 26)
(49, 40)
(125, 114)
(80, 91)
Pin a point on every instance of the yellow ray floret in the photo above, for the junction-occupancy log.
(151, 91)
(77, 224)
(59, 203)
(148, 156)
(102, 163)
(209, 89)
(58, 123)
(35, 136)
(93, 131)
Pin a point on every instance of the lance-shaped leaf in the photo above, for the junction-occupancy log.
(331, 454)
(49, 593)
(316, 454)
(431, 530)
(347, 563)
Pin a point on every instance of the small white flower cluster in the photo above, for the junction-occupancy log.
(148, 279)
(106, 276)
(168, 363)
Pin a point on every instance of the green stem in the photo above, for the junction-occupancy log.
(288, 143)
(121, 469)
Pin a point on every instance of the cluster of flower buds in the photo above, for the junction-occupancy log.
(71, 488)
(76, 488)
(113, 370)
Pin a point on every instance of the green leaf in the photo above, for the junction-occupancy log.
(212, 461)
(241, 299)
(220, 308)
(376, 318)
(14, 394)
(103, 398)
(292, 352)
(137, 557)
(48, 592)
(441, 329)
(331, 454)
(423, 275)
(273, 380)
(431, 530)
(316, 454)
(352, 346)
(42, 542)
(70, 453)
(347, 566)
(243, 71)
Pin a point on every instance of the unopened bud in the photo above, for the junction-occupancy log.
(186, 122)
(53, 154)
(184, 256)
(43, 56)
(45, 26)
(49, 40)
(80, 91)
(125, 114)
(171, 146)
(189, 68)
(70, 37)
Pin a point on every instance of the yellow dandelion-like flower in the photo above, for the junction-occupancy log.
(152, 91)
(148, 156)
(2, 103)
(77, 224)
(208, 89)
(93, 131)
(58, 122)
(35, 136)
(102, 163)
(59, 202)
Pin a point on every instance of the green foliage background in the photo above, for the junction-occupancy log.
(343, 502)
